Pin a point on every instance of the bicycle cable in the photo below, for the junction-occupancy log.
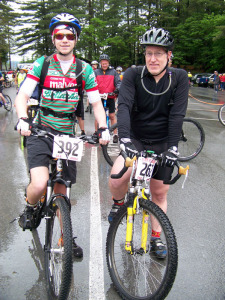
(151, 93)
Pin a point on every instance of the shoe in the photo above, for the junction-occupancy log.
(82, 132)
(158, 248)
(29, 218)
(113, 211)
(87, 109)
(77, 250)
(115, 138)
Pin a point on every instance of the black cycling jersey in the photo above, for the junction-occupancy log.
(147, 117)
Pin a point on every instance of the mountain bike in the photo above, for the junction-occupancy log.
(221, 115)
(8, 105)
(191, 142)
(135, 270)
(55, 209)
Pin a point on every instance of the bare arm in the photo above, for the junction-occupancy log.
(99, 113)
(21, 104)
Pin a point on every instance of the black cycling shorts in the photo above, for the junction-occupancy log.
(79, 112)
(159, 173)
(39, 153)
(110, 103)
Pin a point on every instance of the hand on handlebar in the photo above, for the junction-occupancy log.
(127, 146)
(169, 158)
(103, 135)
(23, 126)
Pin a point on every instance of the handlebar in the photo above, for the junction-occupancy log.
(129, 163)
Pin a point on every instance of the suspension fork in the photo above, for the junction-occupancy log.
(131, 210)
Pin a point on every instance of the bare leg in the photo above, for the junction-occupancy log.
(38, 184)
(159, 192)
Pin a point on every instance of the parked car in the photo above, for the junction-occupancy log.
(211, 81)
(203, 80)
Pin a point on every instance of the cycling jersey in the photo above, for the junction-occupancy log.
(108, 81)
(63, 102)
(147, 117)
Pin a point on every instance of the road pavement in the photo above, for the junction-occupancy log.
(196, 212)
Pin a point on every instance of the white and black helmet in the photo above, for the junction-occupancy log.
(94, 62)
(158, 37)
(119, 69)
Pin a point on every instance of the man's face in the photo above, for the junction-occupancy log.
(104, 64)
(64, 46)
(156, 59)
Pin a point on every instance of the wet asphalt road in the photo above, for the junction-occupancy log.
(196, 212)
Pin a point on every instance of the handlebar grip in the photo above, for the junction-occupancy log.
(183, 171)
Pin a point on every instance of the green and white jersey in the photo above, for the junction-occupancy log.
(61, 101)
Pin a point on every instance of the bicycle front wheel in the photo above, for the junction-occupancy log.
(58, 250)
(141, 275)
(221, 115)
(111, 150)
(8, 105)
(192, 140)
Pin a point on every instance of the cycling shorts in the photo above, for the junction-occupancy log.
(110, 103)
(39, 153)
(159, 172)
(79, 112)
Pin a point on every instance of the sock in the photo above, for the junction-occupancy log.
(118, 202)
(155, 235)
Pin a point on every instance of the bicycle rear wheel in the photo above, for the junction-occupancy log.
(8, 105)
(191, 141)
(58, 250)
(221, 115)
(111, 150)
(141, 275)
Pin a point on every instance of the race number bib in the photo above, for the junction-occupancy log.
(66, 147)
(145, 168)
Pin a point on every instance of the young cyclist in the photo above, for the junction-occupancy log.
(56, 111)
(151, 106)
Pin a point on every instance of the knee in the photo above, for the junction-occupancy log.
(114, 184)
(39, 185)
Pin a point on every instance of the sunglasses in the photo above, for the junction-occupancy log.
(60, 36)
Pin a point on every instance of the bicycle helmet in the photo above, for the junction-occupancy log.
(119, 69)
(65, 19)
(94, 62)
(158, 37)
(104, 57)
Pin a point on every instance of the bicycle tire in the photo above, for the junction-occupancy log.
(90, 108)
(141, 276)
(111, 150)
(192, 140)
(8, 105)
(58, 254)
(221, 115)
(7, 84)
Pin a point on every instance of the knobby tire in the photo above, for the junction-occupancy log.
(141, 276)
(192, 140)
(58, 254)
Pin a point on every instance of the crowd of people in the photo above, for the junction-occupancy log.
(145, 120)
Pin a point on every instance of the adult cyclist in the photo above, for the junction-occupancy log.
(108, 82)
(56, 111)
(150, 116)
(119, 70)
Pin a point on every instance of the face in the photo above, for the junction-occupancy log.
(104, 64)
(156, 59)
(64, 46)
(94, 67)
